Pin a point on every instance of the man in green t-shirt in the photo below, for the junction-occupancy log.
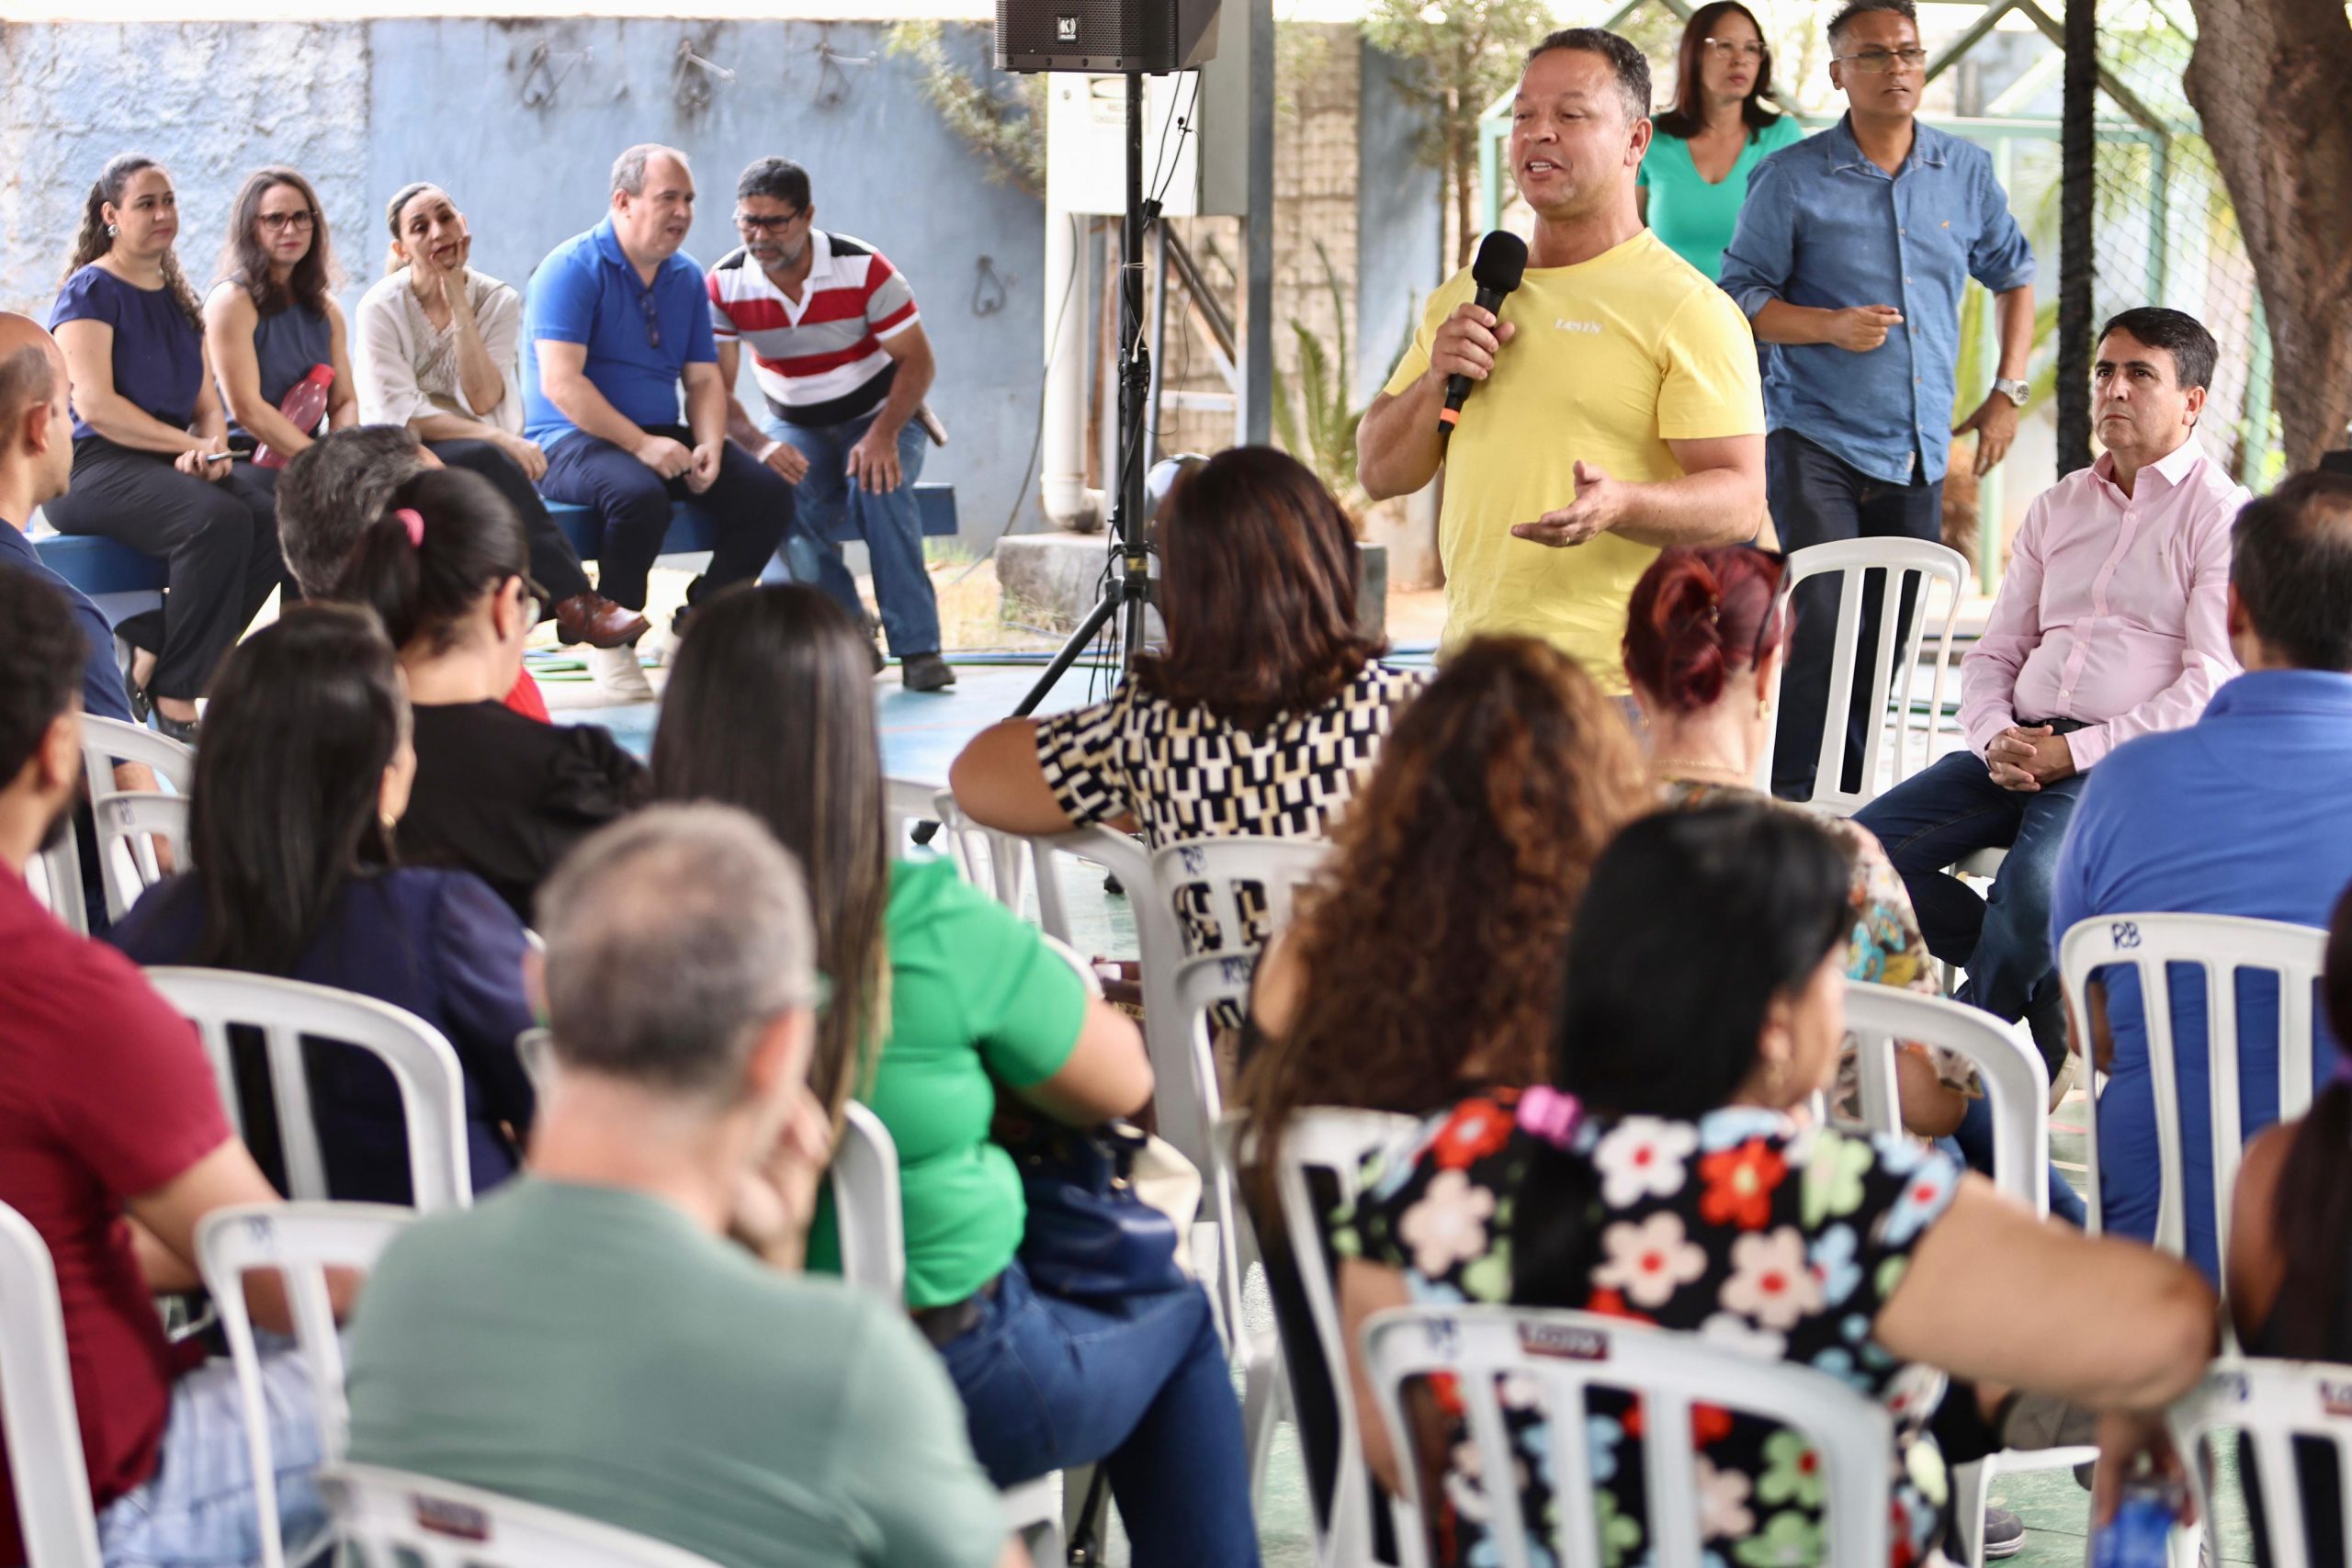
(587, 1338)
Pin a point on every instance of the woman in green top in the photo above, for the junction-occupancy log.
(941, 998)
(1695, 176)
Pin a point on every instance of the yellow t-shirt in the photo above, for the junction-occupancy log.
(1611, 359)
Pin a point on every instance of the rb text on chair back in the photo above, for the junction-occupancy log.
(2015, 1081)
(299, 1242)
(286, 1013)
(130, 825)
(1566, 1355)
(44, 1434)
(1918, 565)
(391, 1519)
(2277, 1406)
(1328, 1146)
(2217, 948)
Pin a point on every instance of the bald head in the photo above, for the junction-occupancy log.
(30, 366)
(36, 417)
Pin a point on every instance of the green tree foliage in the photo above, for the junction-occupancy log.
(1004, 120)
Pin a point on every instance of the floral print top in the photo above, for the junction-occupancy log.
(1745, 1227)
(1886, 947)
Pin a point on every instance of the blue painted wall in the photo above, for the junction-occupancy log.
(1400, 223)
(363, 107)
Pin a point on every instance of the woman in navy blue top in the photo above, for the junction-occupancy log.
(305, 767)
(270, 322)
(150, 456)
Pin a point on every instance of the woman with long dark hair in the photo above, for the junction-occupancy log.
(1424, 961)
(940, 999)
(272, 319)
(1264, 710)
(447, 570)
(438, 350)
(304, 771)
(1664, 1175)
(152, 466)
(1694, 177)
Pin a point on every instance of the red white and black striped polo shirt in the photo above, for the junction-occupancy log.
(820, 361)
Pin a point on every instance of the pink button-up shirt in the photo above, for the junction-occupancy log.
(2115, 610)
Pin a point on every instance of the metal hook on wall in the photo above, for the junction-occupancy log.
(541, 76)
(833, 79)
(694, 80)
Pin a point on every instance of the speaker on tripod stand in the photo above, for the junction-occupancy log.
(1148, 37)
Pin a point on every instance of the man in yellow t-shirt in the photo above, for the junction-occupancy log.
(1617, 408)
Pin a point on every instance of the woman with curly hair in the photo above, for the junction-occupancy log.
(1424, 961)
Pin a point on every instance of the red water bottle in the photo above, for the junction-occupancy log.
(305, 405)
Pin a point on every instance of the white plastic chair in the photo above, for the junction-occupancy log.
(2219, 947)
(1333, 1143)
(1897, 561)
(392, 1518)
(54, 878)
(2271, 1404)
(863, 1180)
(300, 1242)
(105, 741)
(130, 823)
(2017, 1091)
(998, 863)
(45, 1466)
(1566, 1355)
(423, 1067)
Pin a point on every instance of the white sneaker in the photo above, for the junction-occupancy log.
(617, 674)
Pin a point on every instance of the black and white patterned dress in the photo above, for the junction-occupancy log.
(1184, 773)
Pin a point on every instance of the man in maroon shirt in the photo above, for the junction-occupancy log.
(113, 1144)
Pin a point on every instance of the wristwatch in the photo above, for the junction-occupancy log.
(2016, 391)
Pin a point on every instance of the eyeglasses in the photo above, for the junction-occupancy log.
(750, 225)
(1879, 61)
(653, 315)
(1724, 48)
(279, 222)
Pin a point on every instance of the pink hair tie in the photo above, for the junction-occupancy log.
(1550, 1115)
(413, 521)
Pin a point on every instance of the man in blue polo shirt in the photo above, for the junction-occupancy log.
(618, 320)
(1853, 252)
(36, 463)
(2241, 813)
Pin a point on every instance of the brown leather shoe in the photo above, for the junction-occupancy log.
(597, 621)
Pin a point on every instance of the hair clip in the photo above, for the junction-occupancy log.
(413, 521)
(1550, 1115)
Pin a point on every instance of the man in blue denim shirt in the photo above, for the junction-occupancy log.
(1852, 252)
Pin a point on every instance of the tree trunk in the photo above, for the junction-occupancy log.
(2272, 81)
(1462, 170)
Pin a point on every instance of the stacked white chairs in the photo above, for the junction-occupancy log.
(391, 1519)
(299, 1242)
(1326, 1147)
(131, 824)
(2219, 947)
(2017, 1091)
(286, 1013)
(863, 1180)
(1564, 1356)
(2275, 1406)
(44, 1435)
(1918, 563)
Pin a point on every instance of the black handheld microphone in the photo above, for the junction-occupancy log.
(1502, 257)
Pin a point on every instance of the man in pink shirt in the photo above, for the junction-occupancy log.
(2112, 622)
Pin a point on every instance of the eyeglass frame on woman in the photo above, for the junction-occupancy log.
(749, 223)
(1882, 62)
(279, 222)
(1750, 49)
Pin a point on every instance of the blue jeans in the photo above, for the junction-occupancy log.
(1817, 499)
(1971, 1145)
(196, 1510)
(1949, 812)
(889, 523)
(1139, 1386)
(749, 502)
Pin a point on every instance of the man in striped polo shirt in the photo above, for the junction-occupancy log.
(839, 352)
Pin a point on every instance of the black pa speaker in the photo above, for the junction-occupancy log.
(1154, 37)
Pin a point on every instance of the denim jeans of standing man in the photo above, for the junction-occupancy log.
(1818, 498)
(1138, 1384)
(1941, 815)
(889, 523)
